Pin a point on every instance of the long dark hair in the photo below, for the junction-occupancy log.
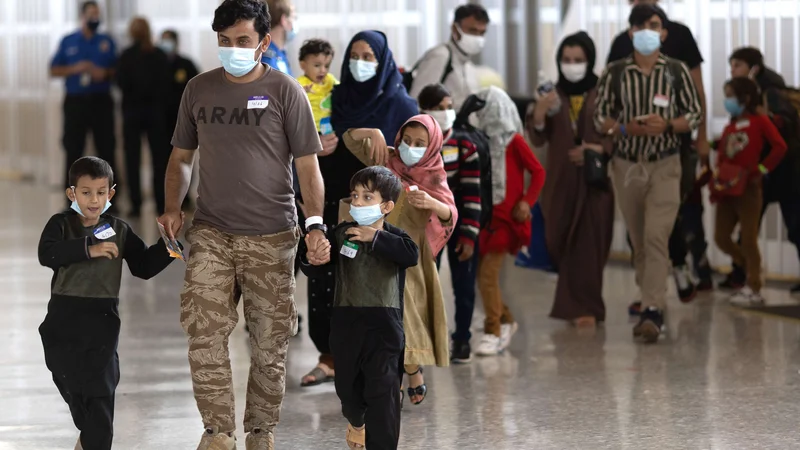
(747, 92)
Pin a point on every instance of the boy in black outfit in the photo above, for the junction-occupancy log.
(367, 338)
(85, 248)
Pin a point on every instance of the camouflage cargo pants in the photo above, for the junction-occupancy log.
(221, 268)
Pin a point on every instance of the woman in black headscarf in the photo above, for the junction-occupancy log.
(579, 216)
(371, 95)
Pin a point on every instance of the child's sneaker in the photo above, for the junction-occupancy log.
(489, 346)
(507, 331)
(212, 440)
(259, 440)
(461, 353)
(746, 297)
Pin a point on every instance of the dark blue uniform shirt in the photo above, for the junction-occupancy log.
(74, 48)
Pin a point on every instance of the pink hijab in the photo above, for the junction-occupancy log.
(429, 175)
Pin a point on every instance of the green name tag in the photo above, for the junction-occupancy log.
(349, 249)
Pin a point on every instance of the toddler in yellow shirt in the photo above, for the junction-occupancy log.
(315, 60)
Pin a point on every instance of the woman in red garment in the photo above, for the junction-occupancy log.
(510, 227)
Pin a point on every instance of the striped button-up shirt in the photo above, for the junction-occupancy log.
(643, 95)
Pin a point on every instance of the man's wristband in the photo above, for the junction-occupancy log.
(762, 169)
(314, 220)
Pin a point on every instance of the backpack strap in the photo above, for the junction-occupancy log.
(675, 71)
(615, 71)
(448, 68)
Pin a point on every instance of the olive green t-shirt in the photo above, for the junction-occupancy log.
(248, 135)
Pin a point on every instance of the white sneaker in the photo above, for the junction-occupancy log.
(489, 346)
(506, 333)
(746, 297)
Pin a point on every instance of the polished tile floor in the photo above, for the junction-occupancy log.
(721, 379)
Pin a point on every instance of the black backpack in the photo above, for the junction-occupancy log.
(462, 129)
(408, 77)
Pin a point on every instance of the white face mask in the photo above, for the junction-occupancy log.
(410, 155)
(469, 43)
(445, 118)
(363, 70)
(574, 72)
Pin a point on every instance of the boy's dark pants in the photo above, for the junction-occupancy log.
(368, 345)
(80, 338)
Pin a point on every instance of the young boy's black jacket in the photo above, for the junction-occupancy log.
(81, 329)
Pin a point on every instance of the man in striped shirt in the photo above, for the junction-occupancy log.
(645, 102)
(463, 169)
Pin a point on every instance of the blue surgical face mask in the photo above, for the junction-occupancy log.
(366, 215)
(646, 42)
(237, 61)
(734, 108)
(168, 46)
(411, 155)
(363, 70)
(291, 34)
(74, 206)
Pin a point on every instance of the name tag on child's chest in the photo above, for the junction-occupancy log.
(662, 101)
(349, 249)
(742, 124)
(258, 102)
(104, 232)
(450, 154)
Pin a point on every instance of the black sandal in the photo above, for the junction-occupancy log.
(420, 391)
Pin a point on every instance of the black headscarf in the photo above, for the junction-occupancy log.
(589, 81)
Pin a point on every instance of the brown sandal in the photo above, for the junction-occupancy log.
(319, 377)
(356, 438)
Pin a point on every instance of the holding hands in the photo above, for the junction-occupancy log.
(318, 251)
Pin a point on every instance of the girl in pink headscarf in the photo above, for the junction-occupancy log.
(426, 211)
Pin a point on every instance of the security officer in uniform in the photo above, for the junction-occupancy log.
(86, 59)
